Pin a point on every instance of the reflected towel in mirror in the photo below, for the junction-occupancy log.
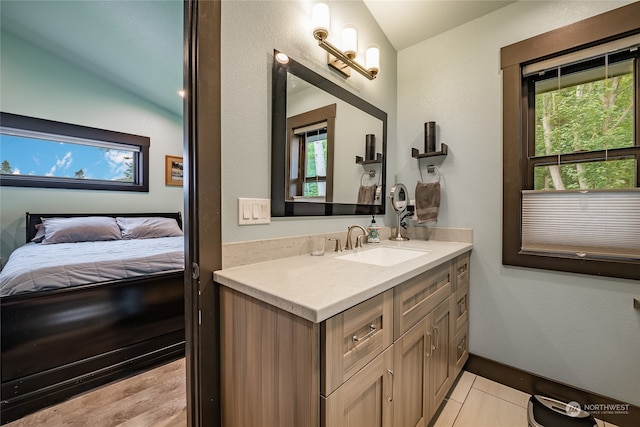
(366, 194)
(427, 201)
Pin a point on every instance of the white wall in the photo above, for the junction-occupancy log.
(577, 329)
(250, 32)
(35, 83)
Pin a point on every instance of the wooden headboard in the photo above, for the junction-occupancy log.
(36, 218)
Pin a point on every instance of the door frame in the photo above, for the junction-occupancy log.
(202, 207)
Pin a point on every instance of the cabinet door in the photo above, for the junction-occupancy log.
(366, 399)
(441, 368)
(412, 361)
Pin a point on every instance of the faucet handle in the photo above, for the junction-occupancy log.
(359, 240)
(338, 247)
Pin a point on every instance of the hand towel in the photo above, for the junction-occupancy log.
(427, 201)
(366, 194)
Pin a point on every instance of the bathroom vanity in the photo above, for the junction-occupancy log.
(373, 337)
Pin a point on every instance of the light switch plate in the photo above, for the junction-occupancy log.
(254, 211)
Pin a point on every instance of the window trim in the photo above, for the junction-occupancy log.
(616, 23)
(16, 121)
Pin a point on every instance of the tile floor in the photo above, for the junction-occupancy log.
(479, 402)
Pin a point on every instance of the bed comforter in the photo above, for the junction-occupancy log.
(35, 267)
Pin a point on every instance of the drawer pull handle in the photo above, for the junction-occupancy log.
(436, 334)
(462, 269)
(390, 398)
(371, 332)
(462, 347)
(430, 346)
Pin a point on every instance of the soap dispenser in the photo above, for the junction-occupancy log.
(373, 231)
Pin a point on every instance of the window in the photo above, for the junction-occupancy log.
(571, 149)
(48, 154)
(310, 151)
(312, 146)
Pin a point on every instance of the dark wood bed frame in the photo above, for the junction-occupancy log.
(58, 343)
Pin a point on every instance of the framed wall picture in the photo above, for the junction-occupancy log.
(173, 170)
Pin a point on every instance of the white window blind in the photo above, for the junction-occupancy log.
(627, 43)
(590, 225)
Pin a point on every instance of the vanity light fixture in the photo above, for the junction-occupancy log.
(342, 61)
(282, 58)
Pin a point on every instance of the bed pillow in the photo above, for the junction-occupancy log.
(148, 227)
(80, 229)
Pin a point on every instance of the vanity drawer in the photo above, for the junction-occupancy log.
(461, 271)
(418, 296)
(461, 308)
(460, 350)
(353, 338)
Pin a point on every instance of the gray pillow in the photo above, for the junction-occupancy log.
(80, 229)
(148, 227)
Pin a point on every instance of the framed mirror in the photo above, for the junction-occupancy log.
(328, 147)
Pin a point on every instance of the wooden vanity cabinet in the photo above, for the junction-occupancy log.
(388, 361)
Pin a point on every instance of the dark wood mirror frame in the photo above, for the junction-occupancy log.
(279, 205)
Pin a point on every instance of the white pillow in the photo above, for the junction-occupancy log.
(148, 227)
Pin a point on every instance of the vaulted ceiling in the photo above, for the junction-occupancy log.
(138, 45)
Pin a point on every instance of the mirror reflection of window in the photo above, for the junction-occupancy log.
(314, 161)
(310, 155)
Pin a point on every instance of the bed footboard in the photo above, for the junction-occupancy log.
(59, 343)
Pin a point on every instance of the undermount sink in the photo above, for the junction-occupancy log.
(384, 257)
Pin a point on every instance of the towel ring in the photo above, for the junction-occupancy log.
(431, 169)
(371, 173)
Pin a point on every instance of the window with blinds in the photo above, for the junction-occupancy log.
(580, 195)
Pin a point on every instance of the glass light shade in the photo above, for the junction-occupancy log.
(350, 41)
(372, 59)
(282, 58)
(320, 20)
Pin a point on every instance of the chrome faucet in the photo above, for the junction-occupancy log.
(358, 239)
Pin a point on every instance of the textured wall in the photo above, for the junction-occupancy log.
(35, 83)
(250, 33)
(574, 328)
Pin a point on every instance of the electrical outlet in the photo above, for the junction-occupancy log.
(254, 211)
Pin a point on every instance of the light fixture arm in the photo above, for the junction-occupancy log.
(344, 58)
(332, 50)
(343, 61)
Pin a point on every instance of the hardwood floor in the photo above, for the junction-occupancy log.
(154, 398)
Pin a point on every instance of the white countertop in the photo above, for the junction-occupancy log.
(319, 287)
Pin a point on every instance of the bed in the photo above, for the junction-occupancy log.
(63, 333)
